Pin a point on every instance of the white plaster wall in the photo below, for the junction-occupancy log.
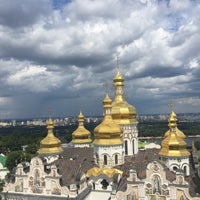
(98, 195)
(110, 151)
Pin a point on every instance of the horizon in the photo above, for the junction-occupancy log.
(97, 116)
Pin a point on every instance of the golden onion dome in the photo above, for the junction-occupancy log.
(81, 135)
(173, 145)
(108, 132)
(50, 145)
(122, 112)
(110, 172)
(118, 79)
(173, 119)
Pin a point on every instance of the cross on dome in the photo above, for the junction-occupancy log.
(171, 104)
(118, 62)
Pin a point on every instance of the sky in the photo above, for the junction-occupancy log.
(58, 55)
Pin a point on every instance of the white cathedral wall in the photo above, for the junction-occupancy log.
(98, 195)
(110, 152)
(130, 134)
(81, 145)
(178, 163)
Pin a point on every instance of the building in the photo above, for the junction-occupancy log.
(3, 169)
(111, 167)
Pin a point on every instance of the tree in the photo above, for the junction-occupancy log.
(13, 159)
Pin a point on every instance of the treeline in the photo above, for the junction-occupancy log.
(12, 139)
(155, 129)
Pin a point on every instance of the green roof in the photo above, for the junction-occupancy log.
(3, 159)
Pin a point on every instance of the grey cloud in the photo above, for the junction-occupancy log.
(20, 13)
(72, 53)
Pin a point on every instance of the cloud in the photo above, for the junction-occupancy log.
(61, 54)
(19, 13)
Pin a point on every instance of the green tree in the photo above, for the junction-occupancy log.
(2, 183)
(13, 159)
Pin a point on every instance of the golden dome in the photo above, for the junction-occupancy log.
(108, 132)
(173, 145)
(118, 79)
(50, 144)
(110, 172)
(122, 112)
(81, 135)
(173, 118)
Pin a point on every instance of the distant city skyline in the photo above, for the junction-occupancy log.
(59, 54)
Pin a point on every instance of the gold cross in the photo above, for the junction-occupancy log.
(106, 84)
(50, 111)
(118, 62)
(171, 104)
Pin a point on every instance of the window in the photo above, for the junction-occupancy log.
(126, 147)
(116, 159)
(105, 160)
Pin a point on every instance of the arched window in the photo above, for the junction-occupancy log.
(133, 146)
(175, 168)
(185, 169)
(116, 159)
(126, 147)
(105, 160)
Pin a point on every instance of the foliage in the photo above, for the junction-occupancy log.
(155, 129)
(198, 153)
(13, 159)
(13, 138)
(141, 144)
(2, 183)
(197, 145)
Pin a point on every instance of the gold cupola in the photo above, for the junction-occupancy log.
(81, 135)
(178, 132)
(122, 112)
(50, 145)
(173, 145)
(108, 132)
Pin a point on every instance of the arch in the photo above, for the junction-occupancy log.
(133, 146)
(105, 160)
(156, 183)
(185, 167)
(104, 184)
(126, 147)
(36, 176)
(174, 167)
(116, 159)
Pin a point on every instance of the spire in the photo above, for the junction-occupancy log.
(173, 145)
(122, 111)
(108, 132)
(173, 118)
(50, 145)
(118, 79)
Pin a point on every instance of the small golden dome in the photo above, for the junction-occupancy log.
(118, 80)
(108, 132)
(50, 144)
(173, 145)
(122, 112)
(110, 172)
(172, 120)
(81, 135)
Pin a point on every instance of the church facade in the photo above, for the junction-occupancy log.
(111, 167)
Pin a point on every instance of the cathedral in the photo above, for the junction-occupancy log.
(111, 167)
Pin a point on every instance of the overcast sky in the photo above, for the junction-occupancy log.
(59, 54)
